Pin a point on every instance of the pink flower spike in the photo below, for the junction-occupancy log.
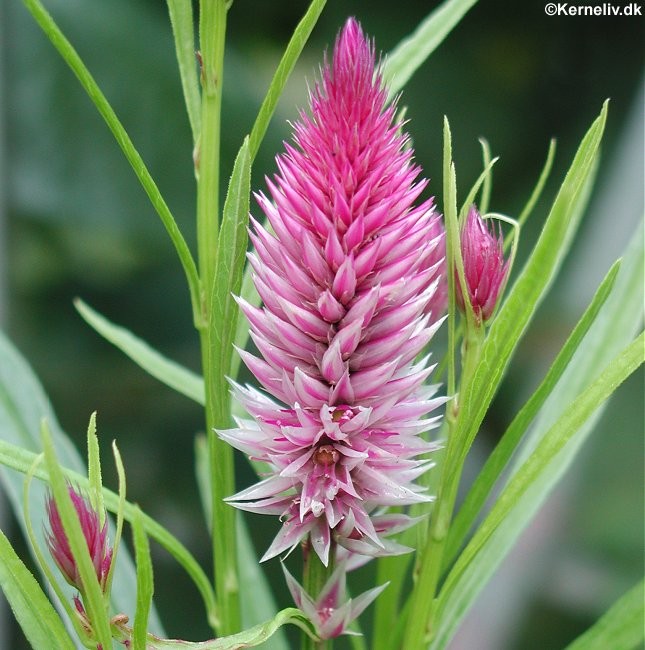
(352, 279)
(331, 612)
(95, 537)
(484, 265)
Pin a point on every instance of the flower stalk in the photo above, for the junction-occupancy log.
(212, 31)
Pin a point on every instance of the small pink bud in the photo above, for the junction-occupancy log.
(95, 536)
(484, 265)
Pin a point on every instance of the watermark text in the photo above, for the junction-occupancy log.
(602, 9)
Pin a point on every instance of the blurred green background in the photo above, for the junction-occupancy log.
(76, 223)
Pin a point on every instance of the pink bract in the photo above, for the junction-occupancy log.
(348, 269)
(95, 537)
(484, 265)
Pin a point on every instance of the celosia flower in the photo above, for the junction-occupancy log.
(331, 613)
(484, 266)
(95, 537)
(348, 278)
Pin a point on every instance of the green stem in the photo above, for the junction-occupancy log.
(420, 616)
(212, 31)
(315, 576)
(212, 34)
(420, 620)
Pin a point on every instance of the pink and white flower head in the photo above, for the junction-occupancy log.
(348, 277)
(95, 537)
(484, 265)
(331, 612)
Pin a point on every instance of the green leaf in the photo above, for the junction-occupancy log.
(620, 627)
(539, 186)
(145, 585)
(92, 594)
(285, 67)
(183, 29)
(169, 372)
(617, 323)
(38, 619)
(119, 510)
(412, 51)
(71, 57)
(229, 266)
(94, 469)
(393, 570)
(531, 483)
(485, 179)
(246, 639)
(22, 461)
(484, 200)
(613, 328)
(531, 285)
(249, 293)
(54, 581)
(22, 406)
(498, 460)
(453, 250)
(257, 601)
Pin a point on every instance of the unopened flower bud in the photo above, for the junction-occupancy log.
(484, 265)
(95, 537)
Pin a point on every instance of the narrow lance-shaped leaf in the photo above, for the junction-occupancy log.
(412, 51)
(21, 460)
(73, 60)
(94, 468)
(529, 485)
(22, 406)
(285, 67)
(620, 627)
(533, 282)
(482, 181)
(484, 200)
(92, 594)
(217, 350)
(249, 293)
(169, 372)
(120, 471)
(257, 600)
(39, 621)
(181, 18)
(229, 266)
(537, 190)
(145, 584)
(497, 461)
(257, 635)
